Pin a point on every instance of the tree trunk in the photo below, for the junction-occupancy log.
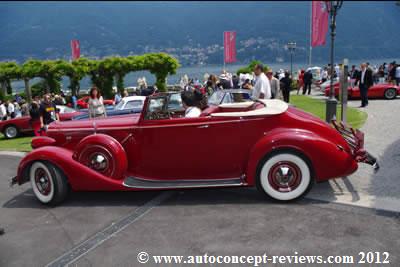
(28, 93)
(4, 88)
(47, 87)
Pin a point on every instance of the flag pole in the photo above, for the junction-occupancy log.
(310, 50)
(223, 54)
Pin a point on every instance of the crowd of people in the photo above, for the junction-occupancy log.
(385, 73)
(262, 83)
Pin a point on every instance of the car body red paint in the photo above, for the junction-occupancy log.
(173, 148)
(23, 124)
(375, 91)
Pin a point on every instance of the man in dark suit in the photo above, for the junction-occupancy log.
(364, 81)
(307, 78)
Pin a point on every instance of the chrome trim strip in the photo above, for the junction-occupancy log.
(152, 126)
(164, 184)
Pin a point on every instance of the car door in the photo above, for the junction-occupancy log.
(190, 148)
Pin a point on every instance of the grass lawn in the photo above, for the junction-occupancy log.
(18, 144)
(356, 119)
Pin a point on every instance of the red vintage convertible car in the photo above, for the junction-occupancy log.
(280, 149)
(384, 90)
(12, 128)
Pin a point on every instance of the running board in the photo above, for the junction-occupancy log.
(165, 184)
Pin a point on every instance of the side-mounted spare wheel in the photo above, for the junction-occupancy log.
(103, 154)
(284, 176)
(48, 182)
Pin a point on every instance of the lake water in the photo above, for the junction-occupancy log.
(198, 72)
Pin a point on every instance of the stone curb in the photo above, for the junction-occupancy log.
(12, 153)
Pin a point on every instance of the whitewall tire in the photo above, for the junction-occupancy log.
(284, 176)
(48, 183)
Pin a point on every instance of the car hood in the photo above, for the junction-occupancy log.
(102, 123)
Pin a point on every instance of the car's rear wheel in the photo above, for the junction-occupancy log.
(49, 184)
(284, 176)
(390, 93)
(11, 131)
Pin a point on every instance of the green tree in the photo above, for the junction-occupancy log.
(101, 76)
(161, 65)
(30, 69)
(75, 71)
(120, 67)
(52, 73)
(249, 68)
(8, 72)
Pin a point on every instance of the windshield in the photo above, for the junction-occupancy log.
(216, 98)
(175, 102)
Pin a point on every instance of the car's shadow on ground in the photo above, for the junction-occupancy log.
(386, 182)
(192, 197)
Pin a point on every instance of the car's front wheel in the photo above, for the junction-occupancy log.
(284, 176)
(390, 93)
(11, 131)
(49, 184)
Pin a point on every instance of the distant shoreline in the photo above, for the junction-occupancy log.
(199, 71)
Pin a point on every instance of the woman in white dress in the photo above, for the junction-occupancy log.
(96, 106)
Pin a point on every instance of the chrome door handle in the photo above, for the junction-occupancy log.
(203, 126)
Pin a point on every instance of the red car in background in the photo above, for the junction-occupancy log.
(12, 128)
(83, 102)
(384, 90)
(267, 144)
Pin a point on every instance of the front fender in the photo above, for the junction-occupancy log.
(327, 160)
(79, 176)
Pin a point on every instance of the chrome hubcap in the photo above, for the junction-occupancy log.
(11, 132)
(42, 181)
(390, 93)
(98, 162)
(284, 176)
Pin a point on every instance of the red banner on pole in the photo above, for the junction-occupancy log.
(229, 46)
(320, 17)
(76, 50)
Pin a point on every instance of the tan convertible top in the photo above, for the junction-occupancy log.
(272, 107)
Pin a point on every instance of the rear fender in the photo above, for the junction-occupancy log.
(325, 158)
(79, 176)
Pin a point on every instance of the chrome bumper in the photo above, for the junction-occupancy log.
(355, 139)
(13, 181)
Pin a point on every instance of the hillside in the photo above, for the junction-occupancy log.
(192, 31)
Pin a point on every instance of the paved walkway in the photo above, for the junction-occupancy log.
(365, 188)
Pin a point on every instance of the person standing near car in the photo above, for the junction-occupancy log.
(117, 98)
(262, 87)
(96, 105)
(34, 113)
(286, 86)
(275, 84)
(3, 111)
(397, 75)
(364, 81)
(10, 109)
(48, 112)
(307, 79)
